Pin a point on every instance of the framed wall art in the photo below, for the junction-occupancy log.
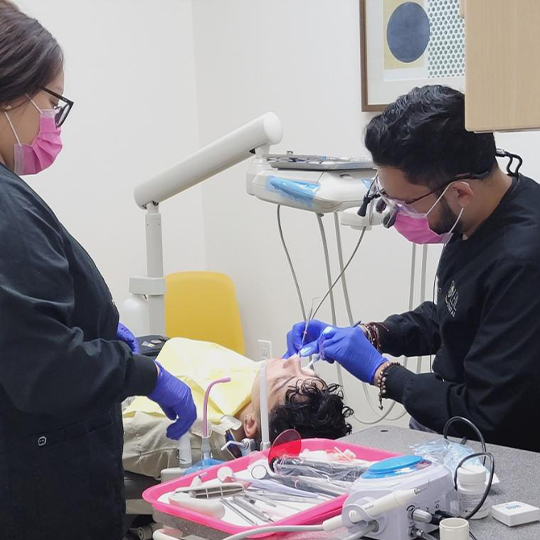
(409, 43)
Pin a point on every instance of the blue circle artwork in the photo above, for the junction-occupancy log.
(407, 32)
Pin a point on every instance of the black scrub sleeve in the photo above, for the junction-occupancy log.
(415, 333)
(501, 369)
(46, 365)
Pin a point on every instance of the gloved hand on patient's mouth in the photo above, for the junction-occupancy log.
(296, 339)
(350, 348)
(123, 333)
(174, 397)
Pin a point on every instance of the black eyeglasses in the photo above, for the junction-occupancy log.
(61, 110)
(405, 206)
(464, 176)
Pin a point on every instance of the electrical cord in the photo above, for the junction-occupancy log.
(275, 528)
(343, 278)
(291, 266)
(341, 273)
(455, 419)
(472, 536)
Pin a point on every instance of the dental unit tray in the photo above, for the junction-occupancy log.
(301, 162)
(325, 509)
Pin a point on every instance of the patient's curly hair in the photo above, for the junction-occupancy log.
(314, 409)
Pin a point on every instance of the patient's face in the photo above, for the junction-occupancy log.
(281, 375)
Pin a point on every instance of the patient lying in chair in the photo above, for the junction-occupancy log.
(297, 398)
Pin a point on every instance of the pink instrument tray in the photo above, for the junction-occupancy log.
(313, 515)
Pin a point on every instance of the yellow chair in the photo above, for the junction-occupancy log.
(203, 306)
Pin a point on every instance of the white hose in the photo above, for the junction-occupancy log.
(330, 287)
(275, 528)
(365, 386)
(289, 260)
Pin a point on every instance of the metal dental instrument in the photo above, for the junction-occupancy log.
(238, 512)
(252, 509)
(273, 496)
(271, 501)
(308, 319)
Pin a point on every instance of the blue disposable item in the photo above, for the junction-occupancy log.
(350, 348)
(123, 333)
(298, 191)
(203, 464)
(174, 397)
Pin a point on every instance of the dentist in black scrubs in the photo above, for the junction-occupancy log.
(442, 184)
(65, 363)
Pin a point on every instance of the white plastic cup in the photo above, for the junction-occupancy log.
(454, 529)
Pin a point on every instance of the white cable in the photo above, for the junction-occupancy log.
(330, 288)
(328, 270)
(300, 299)
(275, 528)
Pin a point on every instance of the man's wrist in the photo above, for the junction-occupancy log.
(378, 373)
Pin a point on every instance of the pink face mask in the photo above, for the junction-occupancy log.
(34, 158)
(415, 228)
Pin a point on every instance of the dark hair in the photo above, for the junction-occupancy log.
(423, 134)
(314, 409)
(30, 57)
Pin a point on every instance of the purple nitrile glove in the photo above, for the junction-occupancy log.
(123, 333)
(174, 397)
(350, 348)
(296, 336)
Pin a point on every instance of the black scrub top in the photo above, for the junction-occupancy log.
(484, 330)
(63, 376)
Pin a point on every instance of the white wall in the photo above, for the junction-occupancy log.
(130, 70)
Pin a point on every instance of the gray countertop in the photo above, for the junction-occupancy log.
(518, 471)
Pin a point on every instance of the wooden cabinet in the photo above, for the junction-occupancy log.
(502, 51)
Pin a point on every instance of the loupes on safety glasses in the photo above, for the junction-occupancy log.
(62, 108)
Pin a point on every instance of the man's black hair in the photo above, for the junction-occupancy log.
(423, 134)
(312, 408)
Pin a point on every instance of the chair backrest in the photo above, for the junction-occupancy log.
(203, 306)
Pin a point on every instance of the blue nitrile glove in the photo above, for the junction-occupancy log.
(295, 336)
(350, 348)
(174, 397)
(123, 333)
